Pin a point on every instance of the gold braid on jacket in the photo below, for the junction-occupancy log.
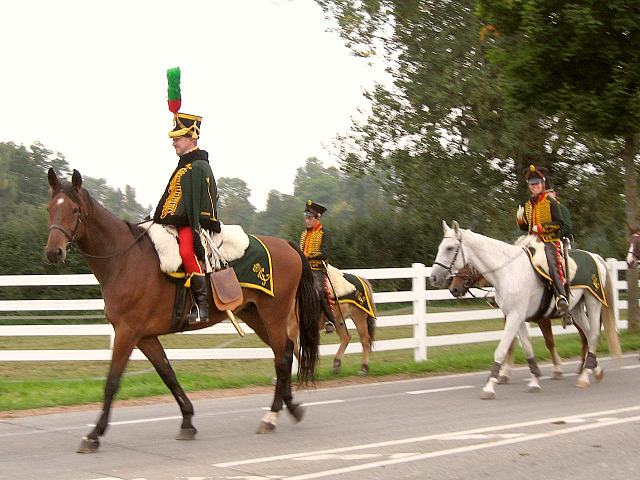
(540, 214)
(311, 248)
(175, 192)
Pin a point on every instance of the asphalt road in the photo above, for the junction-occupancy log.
(426, 428)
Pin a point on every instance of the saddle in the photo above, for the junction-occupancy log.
(340, 284)
(535, 250)
(220, 249)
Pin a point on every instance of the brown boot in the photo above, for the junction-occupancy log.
(200, 311)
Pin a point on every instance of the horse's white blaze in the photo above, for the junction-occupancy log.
(60, 201)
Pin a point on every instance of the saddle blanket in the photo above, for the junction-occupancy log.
(584, 275)
(359, 296)
(249, 257)
(254, 268)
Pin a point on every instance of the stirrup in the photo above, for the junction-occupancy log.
(567, 319)
(562, 305)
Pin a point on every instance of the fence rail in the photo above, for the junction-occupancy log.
(420, 318)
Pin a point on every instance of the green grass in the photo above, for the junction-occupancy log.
(25, 385)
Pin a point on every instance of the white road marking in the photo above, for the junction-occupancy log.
(311, 404)
(444, 389)
(630, 367)
(405, 441)
(468, 448)
(337, 456)
(482, 436)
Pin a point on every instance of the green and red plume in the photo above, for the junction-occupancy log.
(173, 89)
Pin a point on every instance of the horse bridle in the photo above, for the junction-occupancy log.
(464, 262)
(72, 237)
(455, 256)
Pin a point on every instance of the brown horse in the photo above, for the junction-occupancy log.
(633, 253)
(139, 301)
(365, 325)
(467, 278)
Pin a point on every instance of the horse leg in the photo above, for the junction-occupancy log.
(533, 386)
(122, 348)
(590, 324)
(547, 333)
(361, 319)
(512, 325)
(343, 333)
(283, 362)
(583, 351)
(505, 370)
(152, 349)
(296, 410)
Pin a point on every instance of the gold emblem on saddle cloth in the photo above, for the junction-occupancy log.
(175, 192)
(596, 281)
(259, 271)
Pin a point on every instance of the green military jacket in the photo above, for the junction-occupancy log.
(549, 216)
(191, 195)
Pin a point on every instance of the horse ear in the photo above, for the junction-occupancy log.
(76, 179)
(54, 183)
(455, 225)
(631, 229)
(445, 227)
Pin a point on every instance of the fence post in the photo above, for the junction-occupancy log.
(419, 286)
(612, 266)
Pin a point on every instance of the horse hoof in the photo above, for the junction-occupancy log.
(533, 389)
(556, 376)
(266, 427)
(88, 445)
(297, 413)
(364, 370)
(336, 366)
(488, 395)
(599, 374)
(503, 380)
(583, 384)
(186, 434)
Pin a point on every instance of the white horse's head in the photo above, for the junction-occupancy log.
(449, 258)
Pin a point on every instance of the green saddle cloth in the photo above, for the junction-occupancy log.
(254, 268)
(587, 274)
(360, 297)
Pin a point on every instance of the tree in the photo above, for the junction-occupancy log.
(580, 61)
(234, 206)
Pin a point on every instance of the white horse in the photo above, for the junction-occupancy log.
(519, 292)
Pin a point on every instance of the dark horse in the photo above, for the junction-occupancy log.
(139, 301)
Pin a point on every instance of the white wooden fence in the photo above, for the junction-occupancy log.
(420, 319)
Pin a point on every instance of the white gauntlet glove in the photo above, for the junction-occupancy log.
(520, 214)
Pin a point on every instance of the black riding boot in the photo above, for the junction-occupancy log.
(562, 304)
(329, 326)
(200, 311)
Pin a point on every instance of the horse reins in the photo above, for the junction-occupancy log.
(459, 249)
(73, 242)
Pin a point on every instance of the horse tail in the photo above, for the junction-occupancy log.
(371, 320)
(608, 319)
(308, 318)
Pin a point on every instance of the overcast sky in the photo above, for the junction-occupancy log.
(88, 79)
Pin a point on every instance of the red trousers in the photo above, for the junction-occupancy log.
(189, 259)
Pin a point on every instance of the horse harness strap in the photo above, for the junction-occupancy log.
(119, 252)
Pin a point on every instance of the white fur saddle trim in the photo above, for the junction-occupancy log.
(340, 284)
(539, 259)
(234, 242)
(165, 238)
